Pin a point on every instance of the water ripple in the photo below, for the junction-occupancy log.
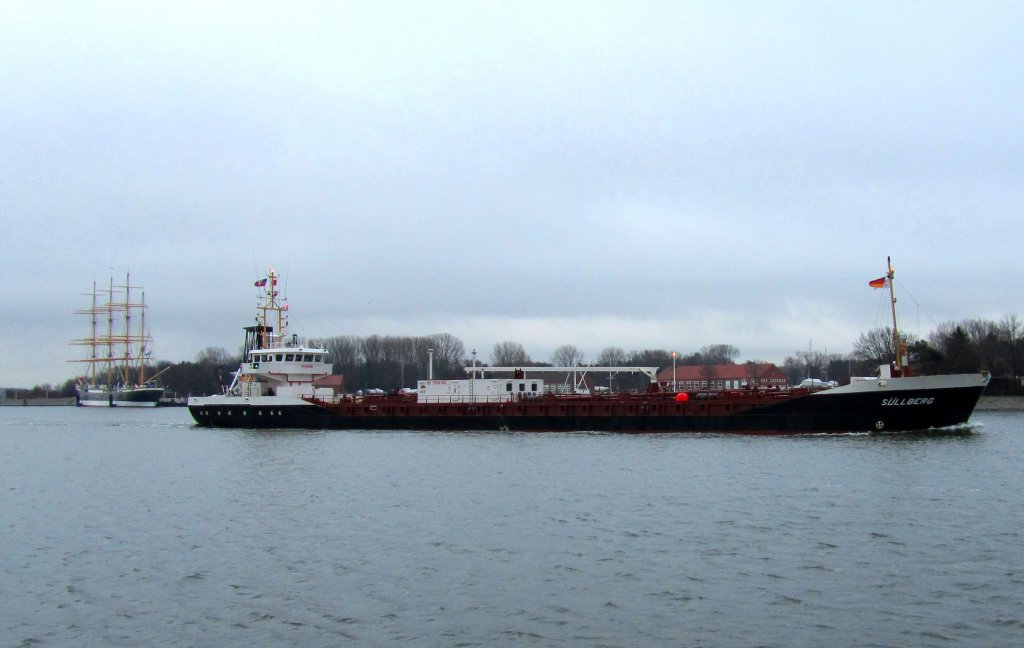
(145, 530)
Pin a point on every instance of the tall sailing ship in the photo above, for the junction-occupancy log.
(118, 349)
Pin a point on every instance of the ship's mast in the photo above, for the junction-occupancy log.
(899, 348)
(119, 353)
(95, 326)
(110, 333)
(272, 305)
(143, 340)
(126, 366)
(132, 343)
(91, 371)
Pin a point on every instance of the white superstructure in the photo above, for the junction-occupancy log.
(275, 364)
(479, 390)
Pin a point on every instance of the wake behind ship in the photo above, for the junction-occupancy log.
(284, 384)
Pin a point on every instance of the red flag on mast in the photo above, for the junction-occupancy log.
(261, 283)
(877, 283)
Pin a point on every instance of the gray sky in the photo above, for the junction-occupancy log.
(638, 174)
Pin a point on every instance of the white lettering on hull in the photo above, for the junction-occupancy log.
(899, 402)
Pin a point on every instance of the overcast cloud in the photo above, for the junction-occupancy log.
(639, 174)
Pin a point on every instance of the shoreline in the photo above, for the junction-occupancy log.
(40, 402)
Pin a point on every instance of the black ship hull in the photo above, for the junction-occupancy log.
(136, 397)
(922, 404)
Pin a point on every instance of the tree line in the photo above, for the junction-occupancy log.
(953, 347)
(390, 362)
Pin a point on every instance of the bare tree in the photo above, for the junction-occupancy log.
(344, 350)
(373, 349)
(650, 358)
(566, 356)
(715, 354)
(509, 354)
(422, 355)
(811, 364)
(213, 356)
(875, 346)
(1011, 332)
(449, 355)
(984, 338)
(611, 357)
(953, 341)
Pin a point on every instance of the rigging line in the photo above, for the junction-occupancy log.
(882, 311)
(287, 273)
(252, 253)
(920, 308)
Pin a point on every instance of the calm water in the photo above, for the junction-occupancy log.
(137, 528)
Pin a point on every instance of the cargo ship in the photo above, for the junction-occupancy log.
(284, 384)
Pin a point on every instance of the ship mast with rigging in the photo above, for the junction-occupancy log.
(271, 308)
(902, 357)
(118, 354)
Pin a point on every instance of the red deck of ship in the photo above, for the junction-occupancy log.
(658, 404)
